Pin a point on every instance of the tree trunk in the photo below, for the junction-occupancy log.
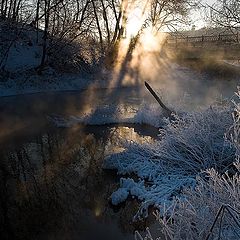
(98, 25)
(45, 33)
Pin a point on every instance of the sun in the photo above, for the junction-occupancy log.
(134, 23)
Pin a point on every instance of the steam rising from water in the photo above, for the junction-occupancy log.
(141, 57)
(181, 88)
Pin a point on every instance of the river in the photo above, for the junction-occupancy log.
(52, 183)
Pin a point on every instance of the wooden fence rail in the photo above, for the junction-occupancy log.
(224, 38)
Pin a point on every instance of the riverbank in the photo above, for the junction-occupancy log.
(27, 82)
(214, 69)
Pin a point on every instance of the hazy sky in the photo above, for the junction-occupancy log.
(199, 17)
(208, 1)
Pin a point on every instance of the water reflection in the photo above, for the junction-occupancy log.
(52, 186)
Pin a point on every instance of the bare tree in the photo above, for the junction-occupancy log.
(167, 13)
(14, 9)
(226, 14)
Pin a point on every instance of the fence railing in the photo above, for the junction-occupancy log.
(224, 38)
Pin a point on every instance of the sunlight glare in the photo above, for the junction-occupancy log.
(134, 24)
(150, 41)
(147, 49)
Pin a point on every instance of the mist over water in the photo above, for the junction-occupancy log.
(188, 83)
(183, 86)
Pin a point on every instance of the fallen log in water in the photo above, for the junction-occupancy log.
(165, 108)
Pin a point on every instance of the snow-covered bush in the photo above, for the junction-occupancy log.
(235, 130)
(193, 216)
(189, 145)
(211, 210)
(196, 141)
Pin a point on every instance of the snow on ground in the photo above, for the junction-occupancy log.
(20, 53)
(25, 83)
(20, 47)
(23, 57)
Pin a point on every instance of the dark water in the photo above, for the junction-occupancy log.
(52, 185)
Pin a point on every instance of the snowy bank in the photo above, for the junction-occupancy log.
(26, 82)
(150, 114)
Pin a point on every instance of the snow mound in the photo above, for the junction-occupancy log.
(128, 187)
(20, 46)
(119, 196)
(150, 114)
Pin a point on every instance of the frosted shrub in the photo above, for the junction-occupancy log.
(211, 210)
(193, 216)
(196, 142)
(190, 144)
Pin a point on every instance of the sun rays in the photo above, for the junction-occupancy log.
(138, 48)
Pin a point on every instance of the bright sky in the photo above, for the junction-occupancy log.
(198, 17)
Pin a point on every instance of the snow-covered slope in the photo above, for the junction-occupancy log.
(21, 46)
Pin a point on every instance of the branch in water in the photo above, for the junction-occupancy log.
(168, 111)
